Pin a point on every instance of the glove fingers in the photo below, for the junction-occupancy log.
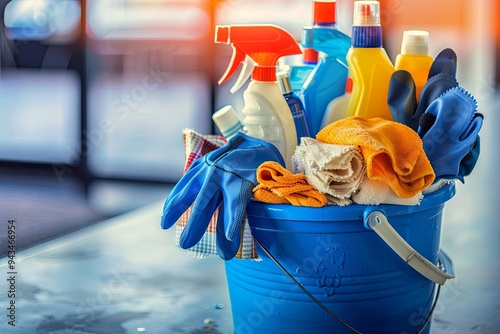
(227, 249)
(201, 214)
(402, 99)
(445, 62)
(433, 89)
(236, 197)
(469, 161)
(181, 197)
(473, 129)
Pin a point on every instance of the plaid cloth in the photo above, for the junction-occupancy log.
(196, 146)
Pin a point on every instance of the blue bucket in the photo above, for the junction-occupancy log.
(349, 270)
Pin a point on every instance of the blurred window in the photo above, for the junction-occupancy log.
(53, 20)
(39, 82)
(148, 79)
(147, 19)
(40, 116)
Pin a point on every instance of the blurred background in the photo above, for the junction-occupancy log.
(94, 94)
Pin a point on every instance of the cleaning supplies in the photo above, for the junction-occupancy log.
(224, 179)
(402, 99)
(452, 135)
(327, 80)
(197, 145)
(279, 186)
(369, 65)
(414, 57)
(300, 72)
(335, 170)
(337, 108)
(392, 151)
(267, 115)
(295, 104)
(227, 121)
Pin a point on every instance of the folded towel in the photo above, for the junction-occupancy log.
(334, 170)
(393, 152)
(279, 186)
(374, 192)
(195, 146)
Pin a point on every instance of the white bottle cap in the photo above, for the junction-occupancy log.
(366, 13)
(227, 121)
(415, 42)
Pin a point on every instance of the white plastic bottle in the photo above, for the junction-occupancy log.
(267, 115)
(227, 121)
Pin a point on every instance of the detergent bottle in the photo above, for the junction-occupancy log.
(415, 58)
(369, 65)
(327, 80)
(299, 73)
(267, 115)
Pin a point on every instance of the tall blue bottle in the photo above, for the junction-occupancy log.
(300, 73)
(327, 81)
(295, 104)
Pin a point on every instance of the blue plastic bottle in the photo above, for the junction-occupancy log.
(327, 80)
(295, 104)
(300, 73)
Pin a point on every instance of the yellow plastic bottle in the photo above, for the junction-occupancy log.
(414, 57)
(369, 65)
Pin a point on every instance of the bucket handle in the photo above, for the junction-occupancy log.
(377, 221)
(443, 259)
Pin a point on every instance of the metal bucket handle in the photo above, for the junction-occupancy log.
(377, 221)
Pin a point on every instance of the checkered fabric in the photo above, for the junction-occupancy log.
(195, 146)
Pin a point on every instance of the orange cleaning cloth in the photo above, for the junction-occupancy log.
(277, 185)
(393, 152)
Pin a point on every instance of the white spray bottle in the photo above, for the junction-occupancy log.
(267, 115)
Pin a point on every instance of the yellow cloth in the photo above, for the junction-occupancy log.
(393, 152)
(277, 185)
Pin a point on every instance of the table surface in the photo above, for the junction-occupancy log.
(125, 275)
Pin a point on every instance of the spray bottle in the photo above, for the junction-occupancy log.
(369, 65)
(327, 80)
(415, 58)
(267, 115)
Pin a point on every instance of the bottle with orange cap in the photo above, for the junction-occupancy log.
(327, 80)
(267, 115)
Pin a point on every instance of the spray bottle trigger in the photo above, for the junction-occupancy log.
(246, 71)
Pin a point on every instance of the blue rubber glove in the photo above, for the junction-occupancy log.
(453, 132)
(402, 98)
(225, 177)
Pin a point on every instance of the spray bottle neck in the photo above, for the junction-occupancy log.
(264, 73)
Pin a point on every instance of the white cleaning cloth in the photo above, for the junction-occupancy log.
(334, 170)
(374, 192)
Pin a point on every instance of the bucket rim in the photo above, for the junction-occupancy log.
(345, 213)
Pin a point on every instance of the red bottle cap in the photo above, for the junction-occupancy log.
(325, 12)
(310, 56)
